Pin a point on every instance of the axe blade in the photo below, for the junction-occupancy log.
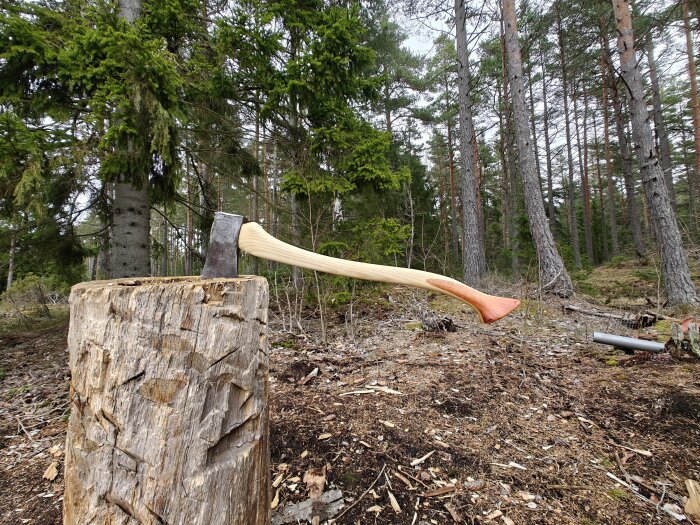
(222, 253)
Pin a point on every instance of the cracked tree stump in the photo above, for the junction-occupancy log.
(169, 408)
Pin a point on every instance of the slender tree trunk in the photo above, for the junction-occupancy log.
(601, 195)
(533, 123)
(553, 274)
(583, 164)
(474, 258)
(189, 228)
(692, 216)
(694, 100)
(660, 124)
(164, 241)
(547, 145)
(511, 183)
(573, 219)
(630, 191)
(674, 262)
(256, 178)
(454, 214)
(608, 161)
(11, 260)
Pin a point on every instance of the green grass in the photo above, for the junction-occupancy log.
(618, 494)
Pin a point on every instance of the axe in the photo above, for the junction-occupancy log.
(231, 233)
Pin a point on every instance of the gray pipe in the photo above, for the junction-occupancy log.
(630, 343)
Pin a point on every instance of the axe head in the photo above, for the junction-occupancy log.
(222, 253)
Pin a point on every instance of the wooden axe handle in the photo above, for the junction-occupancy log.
(256, 241)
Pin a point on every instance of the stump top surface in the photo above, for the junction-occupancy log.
(163, 281)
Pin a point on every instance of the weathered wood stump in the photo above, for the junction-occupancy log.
(169, 414)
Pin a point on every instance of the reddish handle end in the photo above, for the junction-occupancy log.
(490, 307)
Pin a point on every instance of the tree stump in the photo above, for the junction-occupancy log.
(169, 402)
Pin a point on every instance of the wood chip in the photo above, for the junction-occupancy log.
(304, 454)
(405, 480)
(474, 486)
(421, 460)
(276, 500)
(309, 377)
(507, 520)
(278, 480)
(315, 481)
(394, 503)
(386, 390)
(439, 491)
(357, 392)
(387, 423)
(692, 507)
(375, 508)
(323, 437)
(51, 472)
(456, 516)
(492, 516)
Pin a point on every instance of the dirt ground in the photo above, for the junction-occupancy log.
(521, 422)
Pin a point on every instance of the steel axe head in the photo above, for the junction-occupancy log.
(222, 253)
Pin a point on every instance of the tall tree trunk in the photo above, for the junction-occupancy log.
(573, 219)
(189, 226)
(533, 121)
(583, 166)
(601, 195)
(256, 185)
(131, 241)
(690, 183)
(511, 182)
(674, 262)
(11, 260)
(694, 100)
(474, 258)
(608, 159)
(547, 145)
(660, 124)
(454, 214)
(164, 240)
(553, 274)
(630, 191)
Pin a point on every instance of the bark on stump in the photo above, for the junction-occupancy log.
(169, 413)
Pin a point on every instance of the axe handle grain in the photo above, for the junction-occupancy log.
(256, 241)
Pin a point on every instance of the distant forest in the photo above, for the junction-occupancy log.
(532, 141)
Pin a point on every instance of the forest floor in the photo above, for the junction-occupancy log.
(521, 422)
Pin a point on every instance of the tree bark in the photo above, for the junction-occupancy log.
(547, 146)
(454, 213)
(131, 230)
(674, 262)
(630, 190)
(474, 258)
(511, 182)
(11, 260)
(614, 239)
(585, 185)
(660, 124)
(553, 274)
(573, 219)
(601, 195)
(169, 403)
(694, 99)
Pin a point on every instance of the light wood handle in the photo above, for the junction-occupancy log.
(256, 241)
